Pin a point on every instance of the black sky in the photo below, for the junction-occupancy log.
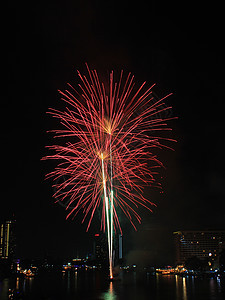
(178, 45)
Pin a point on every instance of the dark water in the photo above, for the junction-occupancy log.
(130, 286)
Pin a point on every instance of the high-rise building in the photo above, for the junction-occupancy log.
(118, 249)
(100, 249)
(7, 240)
(120, 246)
(202, 244)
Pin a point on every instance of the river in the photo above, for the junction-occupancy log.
(128, 286)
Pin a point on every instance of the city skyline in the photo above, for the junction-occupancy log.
(45, 48)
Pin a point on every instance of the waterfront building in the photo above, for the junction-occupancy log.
(101, 249)
(7, 240)
(203, 244)
(120, 246)
(118, 250)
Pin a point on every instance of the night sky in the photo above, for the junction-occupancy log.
(178, 46)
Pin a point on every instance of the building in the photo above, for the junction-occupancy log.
(120, 246)
(101, 249)
(118, 250)
(7, 240)
(202, 244)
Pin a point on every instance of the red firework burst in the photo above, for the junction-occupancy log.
(110, 131)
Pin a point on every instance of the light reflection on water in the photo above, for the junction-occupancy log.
(128, 286)
(110, 294)
(181, 287)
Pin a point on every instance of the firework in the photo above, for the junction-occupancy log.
(106, 156)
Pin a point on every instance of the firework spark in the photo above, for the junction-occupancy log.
(111, 133)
